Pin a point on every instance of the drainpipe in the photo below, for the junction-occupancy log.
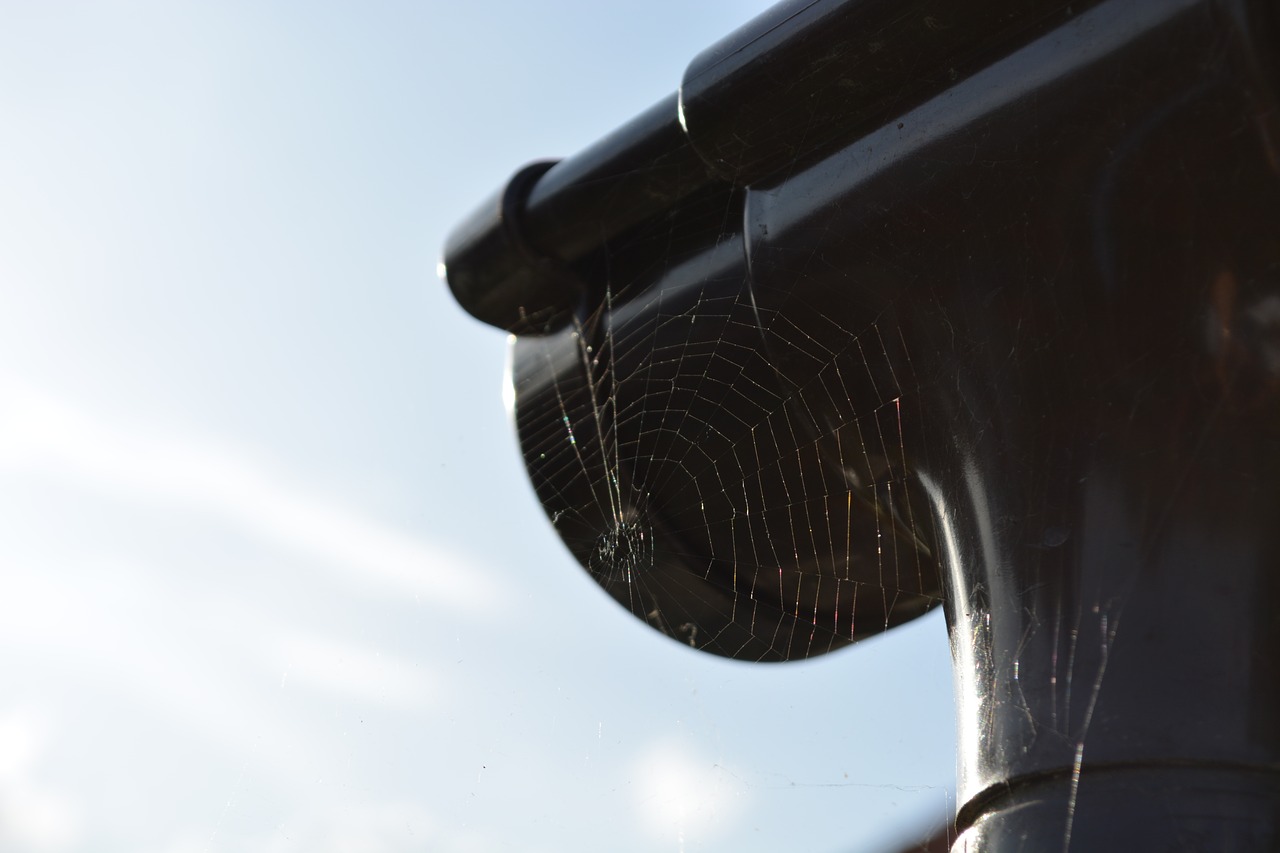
(897, 305)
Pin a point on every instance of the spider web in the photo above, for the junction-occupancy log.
(724, 460)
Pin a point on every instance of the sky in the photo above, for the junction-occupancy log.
(273, 576)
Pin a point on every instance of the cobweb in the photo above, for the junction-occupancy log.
(726, 459)
(731, 435)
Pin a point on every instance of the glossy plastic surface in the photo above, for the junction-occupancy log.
(811, 75)
(510, 264)
(1087, 289)
(1054, 283)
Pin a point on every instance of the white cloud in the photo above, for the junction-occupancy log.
(38, 433)
(391, 826)
(352, 671)
(32, 818)
(357, 828)
(683, 797)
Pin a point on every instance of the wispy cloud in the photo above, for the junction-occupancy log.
(31, 817)
(684, 798)
(140, 463)
(352, 671)
(352, 827)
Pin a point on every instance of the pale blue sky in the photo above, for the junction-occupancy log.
(272, 575)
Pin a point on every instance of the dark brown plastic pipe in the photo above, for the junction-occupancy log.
(1034, 280)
